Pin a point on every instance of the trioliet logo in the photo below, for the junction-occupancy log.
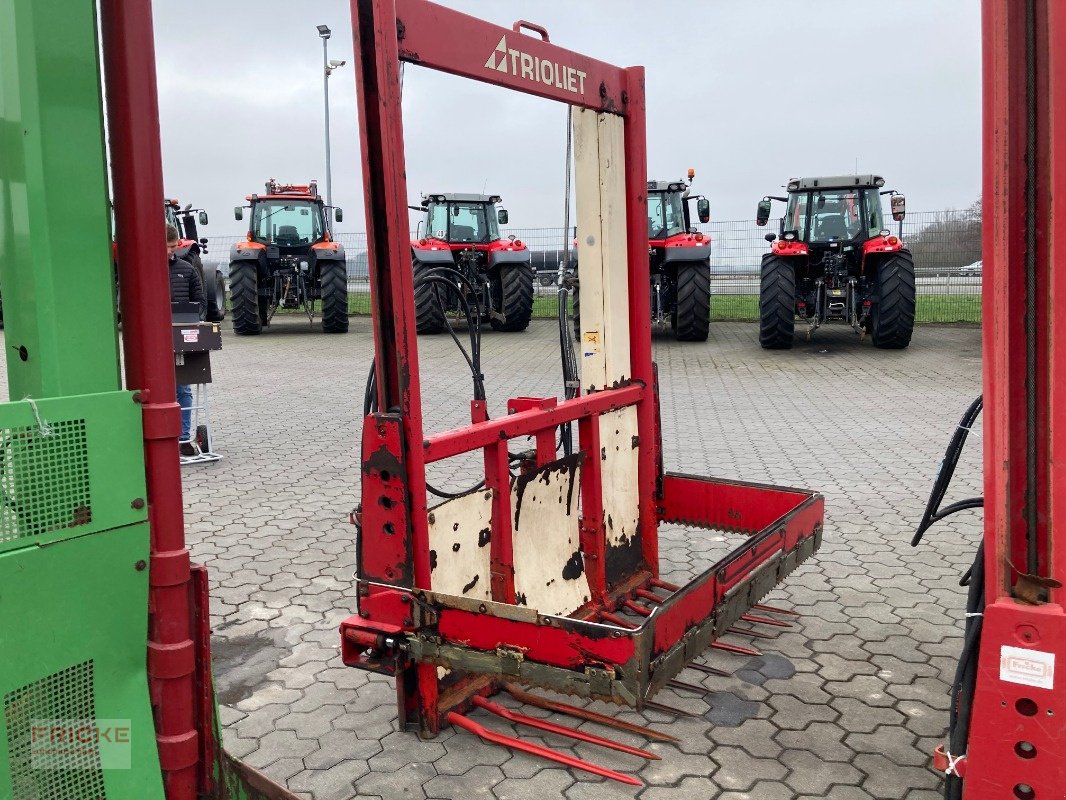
(536, 70)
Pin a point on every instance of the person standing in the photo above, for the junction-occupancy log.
(185, 287)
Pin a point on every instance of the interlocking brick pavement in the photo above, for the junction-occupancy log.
(871, 657)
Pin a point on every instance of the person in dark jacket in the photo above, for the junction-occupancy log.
(185, 287)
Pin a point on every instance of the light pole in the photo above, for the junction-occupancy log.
(327, 69)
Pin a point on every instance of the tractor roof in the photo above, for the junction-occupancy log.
(667, 186)
(836, 182)
(444, 197)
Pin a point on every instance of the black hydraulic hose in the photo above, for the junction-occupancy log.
(962, 690)
(571, 378)
(933, 511)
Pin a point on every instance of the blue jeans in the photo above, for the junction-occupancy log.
(185, 401)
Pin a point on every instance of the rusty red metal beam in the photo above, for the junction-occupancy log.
(586, 714)
(527, 423)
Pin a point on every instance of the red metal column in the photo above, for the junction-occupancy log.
(133, 120)
(1018, 732)
(636, 150)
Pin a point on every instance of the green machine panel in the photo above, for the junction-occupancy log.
(74, 547)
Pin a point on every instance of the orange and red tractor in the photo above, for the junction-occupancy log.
(288, 260)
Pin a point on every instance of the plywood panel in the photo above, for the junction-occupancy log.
(459, 535)
(549, 568)
(621, 501)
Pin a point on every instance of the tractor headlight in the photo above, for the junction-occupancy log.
(788, 237)
(879, 182)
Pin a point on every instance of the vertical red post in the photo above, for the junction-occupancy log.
(636, 154)
(133, 120)
(1017, 731)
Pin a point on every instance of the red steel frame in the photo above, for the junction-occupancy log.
(403, 627)
(1025, 400)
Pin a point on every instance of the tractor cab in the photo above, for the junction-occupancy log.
(669, 214)
(290, 217)
(462, 220)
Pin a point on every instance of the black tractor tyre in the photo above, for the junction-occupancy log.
(892, 315)
(334, 277)
(777, 303)
(515, 294)
(215, 294)
(244, 298)
(429, 313)
(692, 312)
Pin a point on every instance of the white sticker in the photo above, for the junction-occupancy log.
(1027, 667)
(192, 336)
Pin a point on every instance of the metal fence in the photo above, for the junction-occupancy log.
(946, 246)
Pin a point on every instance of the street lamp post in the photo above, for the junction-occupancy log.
(327, 69)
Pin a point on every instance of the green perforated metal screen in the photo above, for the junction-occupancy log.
(41, 769)
(44, 479)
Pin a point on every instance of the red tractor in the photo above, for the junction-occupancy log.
(459, 241)
(289, 260)
(191, 248)
(834, 260)
(679, 261)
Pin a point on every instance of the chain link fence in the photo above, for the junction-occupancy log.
(946, 246)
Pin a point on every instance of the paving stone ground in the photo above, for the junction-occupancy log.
(846, 705)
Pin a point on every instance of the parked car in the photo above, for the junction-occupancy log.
(971, 270)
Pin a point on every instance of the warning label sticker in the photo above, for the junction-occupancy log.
(1027, 667)
(190, 334)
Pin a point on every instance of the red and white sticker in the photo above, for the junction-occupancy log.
(1027, 667)
(190, 334)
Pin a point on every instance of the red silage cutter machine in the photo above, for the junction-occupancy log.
(549, 578)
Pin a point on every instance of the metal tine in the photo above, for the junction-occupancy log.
(614, 619)
(649, 596)
(533, 749)
(669, 587)
(750, 632)
(775, 610)
(677, 712)
(778, 623)
(561, 730)
(708, 670)
(586, 714)
(736, 648)
(674, 683)
(637, 608)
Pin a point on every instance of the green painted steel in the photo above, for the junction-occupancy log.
(69, 467)
(74, 650)
(55, 241)
(74, 536)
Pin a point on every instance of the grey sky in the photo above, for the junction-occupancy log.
(735, 89)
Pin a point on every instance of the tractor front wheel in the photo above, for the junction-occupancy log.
(429, 311)
(513, 290)
(777, 303)
(692, 311)
(892, 316)
(244, 298)
(334, 278)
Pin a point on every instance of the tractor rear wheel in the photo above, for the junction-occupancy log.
(244, 297)
(429, 311)
(334, 278)
(692, 311)
(892, 316)
(214, 290)
(515, 296)
(777, 303)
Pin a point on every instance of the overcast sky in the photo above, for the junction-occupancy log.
(748, 93)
